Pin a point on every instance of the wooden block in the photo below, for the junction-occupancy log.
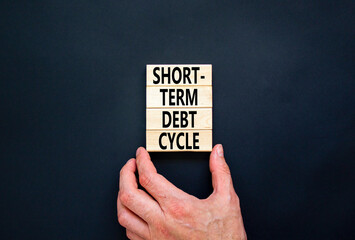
(179, 107)
(181, 74)
(179, 96)
(184, 118)
(179, 140)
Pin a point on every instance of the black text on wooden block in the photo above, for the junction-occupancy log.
(179, 107)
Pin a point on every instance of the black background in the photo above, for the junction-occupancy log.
(73, 110)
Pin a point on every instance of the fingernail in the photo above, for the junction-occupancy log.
(220, 150)
(138, 151)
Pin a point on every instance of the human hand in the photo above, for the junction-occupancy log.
(170, 213)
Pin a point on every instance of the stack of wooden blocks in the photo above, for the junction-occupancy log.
(179, 108)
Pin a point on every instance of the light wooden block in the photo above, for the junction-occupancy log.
(204, 138)
(182, 118)
(179, 96)
(180, 74)
(179, 107)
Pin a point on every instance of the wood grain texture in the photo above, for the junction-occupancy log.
(194, 118)
(204, 74)
(155, 97)
(204, 141)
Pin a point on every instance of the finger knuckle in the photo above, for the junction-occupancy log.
(122, 218)
(232, 199)
(161, 228)
(226, 196)
(125, 197)
(225, 169)
(122, 171)
(177, 209)
(145, 180)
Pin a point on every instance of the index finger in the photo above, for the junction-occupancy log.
(157, 185)
(133, 198)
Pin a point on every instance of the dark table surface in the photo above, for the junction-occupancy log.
(72, 100)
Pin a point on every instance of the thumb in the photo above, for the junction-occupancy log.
(221, 176)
